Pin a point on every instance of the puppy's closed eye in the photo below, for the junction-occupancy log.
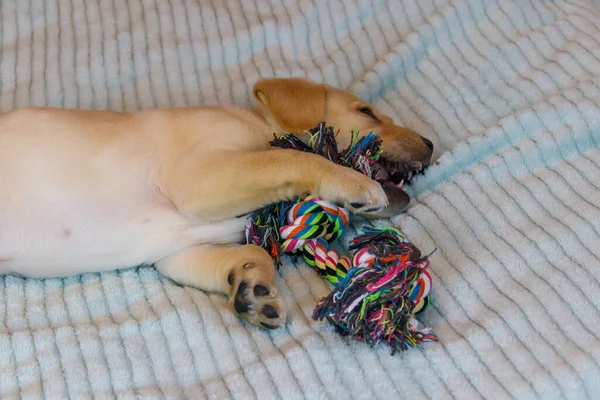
(367, 111)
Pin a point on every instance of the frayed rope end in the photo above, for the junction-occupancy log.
(377, 300)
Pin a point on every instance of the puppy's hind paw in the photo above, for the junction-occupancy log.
(256, 298)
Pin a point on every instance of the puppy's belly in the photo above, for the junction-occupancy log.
(40, 247)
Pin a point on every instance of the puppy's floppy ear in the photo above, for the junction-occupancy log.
(295, 104)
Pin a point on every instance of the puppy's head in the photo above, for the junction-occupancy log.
(297, 105)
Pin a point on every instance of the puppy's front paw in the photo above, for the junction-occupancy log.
(255, 296)
(353, 190)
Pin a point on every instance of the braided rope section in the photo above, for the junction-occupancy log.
(311, 225)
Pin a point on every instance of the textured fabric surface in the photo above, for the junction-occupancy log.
(508, 92)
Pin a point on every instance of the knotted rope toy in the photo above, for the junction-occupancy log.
(378, 290)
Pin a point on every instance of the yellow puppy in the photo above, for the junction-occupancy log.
(90, 191)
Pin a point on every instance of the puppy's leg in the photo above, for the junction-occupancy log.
(235, 183)
(245, 272)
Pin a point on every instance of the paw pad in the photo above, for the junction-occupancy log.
(260, 291)
(357, 205)
(269, 311)
(242, 303)
(256, 299)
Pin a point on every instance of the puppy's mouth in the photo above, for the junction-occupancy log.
(396, 174)
(393, 176)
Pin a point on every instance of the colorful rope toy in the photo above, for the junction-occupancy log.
(377, 291)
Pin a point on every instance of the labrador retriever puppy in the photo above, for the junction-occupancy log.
(91, 191)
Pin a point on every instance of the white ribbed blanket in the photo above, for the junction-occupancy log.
(507, 90)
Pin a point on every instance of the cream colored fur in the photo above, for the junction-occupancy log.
(89, 191)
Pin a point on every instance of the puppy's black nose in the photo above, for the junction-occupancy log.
(429, 143)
